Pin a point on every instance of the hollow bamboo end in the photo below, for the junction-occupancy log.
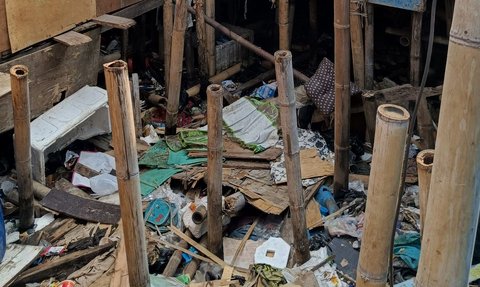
(19, 71)
(281, 55)
(393, 113)
(115, 66)
(214, 89)
(425, 158)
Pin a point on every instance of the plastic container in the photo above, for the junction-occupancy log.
(3, 235)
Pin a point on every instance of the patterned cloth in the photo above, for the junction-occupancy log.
(306, 139)
(321, 87)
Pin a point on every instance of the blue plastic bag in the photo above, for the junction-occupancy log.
(3, 243)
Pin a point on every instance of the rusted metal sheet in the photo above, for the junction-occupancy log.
(414, 5)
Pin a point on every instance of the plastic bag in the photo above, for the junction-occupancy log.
(345, 225)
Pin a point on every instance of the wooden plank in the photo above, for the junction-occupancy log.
(4, 41)
(56, 71)
(4, 83)
(49, 19)
(107, 6)
(72, 38)
(16, 259)
(81, 208)
(65, 264)
(246, 164)
(113, 21)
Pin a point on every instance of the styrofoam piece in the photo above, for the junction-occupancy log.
(274, 252)
(82, 115)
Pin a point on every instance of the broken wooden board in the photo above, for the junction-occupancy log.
(313, 214)
(246, 257)
(267, 198)
(64, 265)
(17, 258)
(312, 165)
(55, 72)
(45, 19)
(72, 38)
(233, 150)
(4, 84)
(113, 21)
(81, 208)
(245, 164)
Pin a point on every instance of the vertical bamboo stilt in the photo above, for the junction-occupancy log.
(137, 111)
(358, 50)
(313, 21)
(168, 8)
(342, 94)
(189, 56)
(21, 140)
(202, 40)
(424, 167)
(176, 64)
(214, 169)
(454, 188)
(211, 45)
(124, 44)
(286, 99)
(383, 194)
(369, 47)
(128, 178)
(424, 119)
(283, 25)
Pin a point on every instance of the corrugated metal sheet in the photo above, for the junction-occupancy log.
(414, 5)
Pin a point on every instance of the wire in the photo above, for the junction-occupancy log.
(411, 128)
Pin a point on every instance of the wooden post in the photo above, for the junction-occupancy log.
(137, 111)
(370, 111)
(23, 165)
(286, 100)
(214, 169)
(168, 8)
(283, 25)
(424, 119)
(210, 33)
(128, 176)
(202, 40)
(369, 47)
(245, 43)
(383, 194)
(424, 167)
(453, 209)
(342, 94)
(176, 63)
(313, 22)
(358, 51)
(124, 51)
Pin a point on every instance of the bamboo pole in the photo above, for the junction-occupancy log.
(202, 39)
(128, 178)
(286, 101)
(383, 194)
(168, 8)
(176, 63)
(214, 169)
(342, 95)
(245, 43)
(217, 79)
(283, 25)
(424, 119)
(358, 50)
(175, 259)
(313, 22)
(454, 191)
(424, 168)
(23, 154)
(210, 33)
(369, 47)
(137, 111)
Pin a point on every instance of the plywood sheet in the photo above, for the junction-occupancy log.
(55, 72)
(48, 19)
(313, 166)
(17, 258)
(72, 38)
(4, 42)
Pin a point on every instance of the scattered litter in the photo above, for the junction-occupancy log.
(407, 248)
(346, 225)
(94, 170)
(151, 135)
(265, 91)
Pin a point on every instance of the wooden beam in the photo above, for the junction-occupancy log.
(72, 38)
(113, 21)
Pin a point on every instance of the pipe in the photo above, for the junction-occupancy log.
(424, 168)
